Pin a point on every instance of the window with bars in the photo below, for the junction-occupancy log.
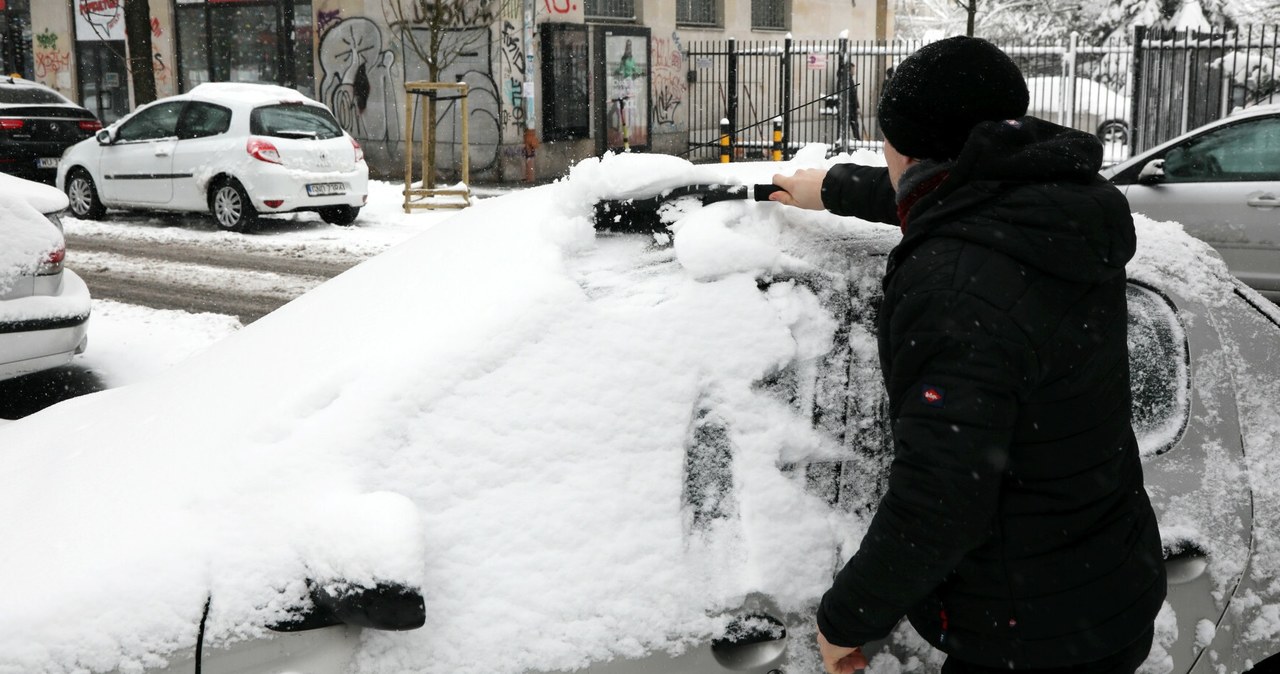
(769, 14)
(610, 9)
(698, 12)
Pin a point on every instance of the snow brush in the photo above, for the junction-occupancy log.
(642, 214)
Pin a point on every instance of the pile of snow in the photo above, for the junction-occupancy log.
(495, 412)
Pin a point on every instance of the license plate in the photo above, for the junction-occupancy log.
(47, 162)
(326, 189)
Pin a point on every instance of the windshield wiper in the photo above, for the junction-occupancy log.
(290, 133)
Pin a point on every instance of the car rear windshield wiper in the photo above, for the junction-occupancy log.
(290, 133)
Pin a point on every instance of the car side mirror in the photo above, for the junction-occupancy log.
(1152, 173)
(385, 606)
(104, 137)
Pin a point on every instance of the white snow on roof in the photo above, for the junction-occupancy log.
(248, 93)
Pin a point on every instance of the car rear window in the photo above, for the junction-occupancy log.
(30, 96)
(293, 121)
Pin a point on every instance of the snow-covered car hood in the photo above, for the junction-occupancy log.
(496, 412)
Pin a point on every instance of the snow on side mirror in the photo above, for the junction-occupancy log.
(1152, 173)
(385, 606)
(104, 137)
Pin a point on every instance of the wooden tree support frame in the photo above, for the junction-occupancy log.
(424, 197)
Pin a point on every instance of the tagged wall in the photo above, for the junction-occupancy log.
(364, 57)
(52, 45)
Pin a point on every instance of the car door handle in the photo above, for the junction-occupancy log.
(162, 152)
(1263, 201)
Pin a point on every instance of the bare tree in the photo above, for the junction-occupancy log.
(435, 30)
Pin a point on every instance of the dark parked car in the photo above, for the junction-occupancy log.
(36, 125)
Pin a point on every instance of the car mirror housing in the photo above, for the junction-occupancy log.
(104, 137)
(1152, 173)
(385, 606)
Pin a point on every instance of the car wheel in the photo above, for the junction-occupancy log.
(1114, 131)
(230, 206)
(339, 215)
(82, 196)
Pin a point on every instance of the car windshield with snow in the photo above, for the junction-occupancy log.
(236, 151)
(586, 449)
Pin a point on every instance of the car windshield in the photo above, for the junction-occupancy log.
(293, 121)
(30, 96)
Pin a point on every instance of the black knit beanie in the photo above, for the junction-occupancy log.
(938, 94)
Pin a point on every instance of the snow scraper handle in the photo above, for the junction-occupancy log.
(641, 214)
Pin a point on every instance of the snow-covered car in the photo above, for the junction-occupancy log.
(234, 150)
(1098, 109)
(37, 124)
(44, 307)
(1222, 182)
(584, 452)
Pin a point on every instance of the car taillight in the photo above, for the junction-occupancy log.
(11, 124)
(52, 263)
(262, 151)
(359, 151)
(90, 125)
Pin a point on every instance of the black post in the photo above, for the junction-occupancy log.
(1136, 123)
(842, 86)
(786, 97)
(731, 95)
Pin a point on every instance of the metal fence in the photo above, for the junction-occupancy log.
(825, 91)
(1187, 78)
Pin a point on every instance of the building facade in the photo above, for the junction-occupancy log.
(592, 70)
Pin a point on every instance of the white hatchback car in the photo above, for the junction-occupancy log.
(44, 308)
(235, 150)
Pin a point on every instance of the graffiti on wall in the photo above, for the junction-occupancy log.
(50, 61)
(160, 69)
(559, 6)
(361, 79)
(485, 114)
(670, 86)
(364, 66)
(326, 19)
(513, 52)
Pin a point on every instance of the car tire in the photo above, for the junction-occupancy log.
(82, 196)
(229, 203)
(339, 215)
(1114, 131)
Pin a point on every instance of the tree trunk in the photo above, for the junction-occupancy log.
(429, 170)
(973, 11)
(137, 28)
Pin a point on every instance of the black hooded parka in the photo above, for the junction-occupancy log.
(1015, 531)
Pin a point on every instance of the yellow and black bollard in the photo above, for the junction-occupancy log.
(777, 139)
(726, 154)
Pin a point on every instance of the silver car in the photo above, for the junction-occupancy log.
(44, 307)
(747, 477)
(1222, 182)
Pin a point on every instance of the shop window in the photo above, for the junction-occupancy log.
(262, 41)
(698, 13)
(15, 37)
(611, 10)
(565, 111)
(770, 14)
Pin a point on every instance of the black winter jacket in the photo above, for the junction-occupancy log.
(1015, 531)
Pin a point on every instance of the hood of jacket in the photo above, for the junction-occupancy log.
(1030, 189)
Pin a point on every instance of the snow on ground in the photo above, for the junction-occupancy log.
(258, 283)
(129, 344)
(382, 224)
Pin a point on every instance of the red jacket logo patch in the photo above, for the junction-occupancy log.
(932, 395)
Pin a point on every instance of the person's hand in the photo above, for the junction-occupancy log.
(802, 189)
(839, 659)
